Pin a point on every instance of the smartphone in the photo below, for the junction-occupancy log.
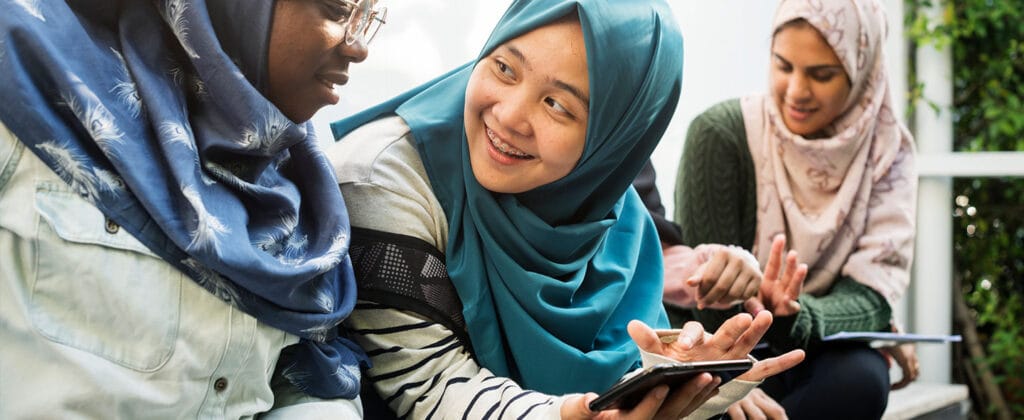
(628, 392)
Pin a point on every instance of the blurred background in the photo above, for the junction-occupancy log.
(967, 119)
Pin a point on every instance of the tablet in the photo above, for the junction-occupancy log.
(628, 392)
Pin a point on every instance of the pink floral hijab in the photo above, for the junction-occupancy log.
(846, 202)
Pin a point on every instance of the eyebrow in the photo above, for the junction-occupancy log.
(812, 68)
(558, 83)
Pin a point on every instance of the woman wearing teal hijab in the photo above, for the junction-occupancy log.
(499, 249)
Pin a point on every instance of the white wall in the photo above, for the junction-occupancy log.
(726, 44)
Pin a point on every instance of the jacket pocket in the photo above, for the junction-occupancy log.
(97, 288)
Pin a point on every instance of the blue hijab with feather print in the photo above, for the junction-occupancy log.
(549, 278)
(154, 112)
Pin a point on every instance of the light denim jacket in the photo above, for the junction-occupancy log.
(94, 325)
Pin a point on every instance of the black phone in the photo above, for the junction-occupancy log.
(628, 392)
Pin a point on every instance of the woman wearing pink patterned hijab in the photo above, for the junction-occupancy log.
(822, 165)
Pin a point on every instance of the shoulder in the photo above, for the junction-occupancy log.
(384, 183)
(375, 150)
(719, 129)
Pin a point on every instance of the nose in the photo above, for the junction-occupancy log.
(512, 110)
(355, 52)
(799, 88)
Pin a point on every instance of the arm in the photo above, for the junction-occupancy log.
(882, 258)
(715, 188)
(647, 188)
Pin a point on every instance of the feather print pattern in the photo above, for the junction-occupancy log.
(173, 132)
(32, 7)
(174, 14)
(333, 255)
(208, 227)
(71, 168)
(97, 120)
(215, 283)
(125, 90)
(266, 134)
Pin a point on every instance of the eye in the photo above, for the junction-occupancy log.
(336, 11)
(783, 66)
(824, 75)
(504, 69)
(555, 105)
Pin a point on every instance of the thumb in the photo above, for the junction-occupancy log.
(753, 306)
(645, 337)
(577, 407)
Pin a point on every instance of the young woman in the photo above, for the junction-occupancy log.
(499, 249)
(821, 163)
(172, 235)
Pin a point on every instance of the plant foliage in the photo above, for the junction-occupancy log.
(987, 41)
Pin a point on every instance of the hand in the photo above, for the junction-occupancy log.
(727, 275)
(733, 340)
(782, 283)
(906, 357)
(657, 404)
(756, 405)
(680, 264)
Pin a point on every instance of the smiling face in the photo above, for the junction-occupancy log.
(809, 84)
(308, 56)
(527, 105)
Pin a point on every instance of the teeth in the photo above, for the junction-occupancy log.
(503, 147)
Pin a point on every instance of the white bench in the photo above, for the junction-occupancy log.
(930, 401)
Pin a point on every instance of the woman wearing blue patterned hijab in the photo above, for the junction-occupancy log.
(511, 176)
(185, 123)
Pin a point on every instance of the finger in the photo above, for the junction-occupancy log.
(651, 403)
(644, 336)
(710, 390)
(730, 331)
(727, 280)
(713, 271)
(577, 407)
(772, 366)
(766, 405)
(683, 397)
(774, 265)
(789, 267)
(691, 335)
(795, 284)
(753, 285)
(753, 306)
(904, 381)
(746, 342)
(735, 411)
(752, 410)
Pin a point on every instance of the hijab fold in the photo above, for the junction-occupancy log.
(549, 278)
(154, 112)
(845, 202)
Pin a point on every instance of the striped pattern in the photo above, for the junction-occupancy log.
(422, 371)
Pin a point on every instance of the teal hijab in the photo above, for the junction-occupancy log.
(549, 278)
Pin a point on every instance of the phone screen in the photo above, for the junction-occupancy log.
(628, 392)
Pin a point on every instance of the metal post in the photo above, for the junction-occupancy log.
(931, 304)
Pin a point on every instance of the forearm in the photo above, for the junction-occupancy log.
(420, 369)
(849, 306)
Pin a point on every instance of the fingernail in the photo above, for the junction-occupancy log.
(661, 392)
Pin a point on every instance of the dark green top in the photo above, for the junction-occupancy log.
(716, 201)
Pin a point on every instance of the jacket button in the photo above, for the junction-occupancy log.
(112, 227)
(220, 384)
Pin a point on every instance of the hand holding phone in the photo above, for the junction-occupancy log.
(628, 392)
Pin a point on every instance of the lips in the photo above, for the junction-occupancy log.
(333, 78)
(505, 148)
(800, 113)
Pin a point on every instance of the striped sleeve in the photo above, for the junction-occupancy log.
(422, 371)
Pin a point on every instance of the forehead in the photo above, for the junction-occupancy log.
(557, 49)
(803, 43)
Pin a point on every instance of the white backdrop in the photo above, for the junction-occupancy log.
(726, 47)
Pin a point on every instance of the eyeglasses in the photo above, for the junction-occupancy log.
(364, 20)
